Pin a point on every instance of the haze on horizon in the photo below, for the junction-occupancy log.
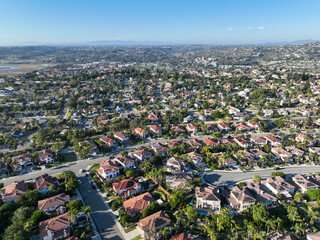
(177, 22)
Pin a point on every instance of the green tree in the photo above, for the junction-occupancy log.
(256, 178)
(75, 205)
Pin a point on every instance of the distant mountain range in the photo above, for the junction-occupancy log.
(148, 43)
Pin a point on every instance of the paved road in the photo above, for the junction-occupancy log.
(219, 178)
(102, 218)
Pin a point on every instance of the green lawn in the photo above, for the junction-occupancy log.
(67, 158)
(130, 229)
(136, 238)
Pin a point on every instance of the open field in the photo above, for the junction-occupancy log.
(24, 67)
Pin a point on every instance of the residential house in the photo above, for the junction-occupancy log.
(224, 126)
(134, 206)
(195, 142)
(273, 140)
(178, 129)
(183, 236)
(156, 129)
(141, 132)
(127, 187)
(142, 154)
(191, 128)
(124, 161)
(210, 142)
(188, 119)
(305, 183)
(212, 128)
(176, 165)
(14, 190)
(242, 127)
(281, 153)
(228, 162)
(253, 125)
(261, 194)
(58, 227)
(154, 222)
(301, 137)
(296, 152)
(242, 142)
(178, 179)
(122, 137)
(208, 197)
(267, 112)
(159, 148)
(233, 110)
(108, 169)
(52, 204)
(258, 140)
(196, 158)
(23, 160)
(314, 150)
(94, 148)
(241, 199)
(279, 186)
(46, 156)
(153, 118)
(108, 141)
(44, 182)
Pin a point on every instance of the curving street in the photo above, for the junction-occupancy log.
(225, 178)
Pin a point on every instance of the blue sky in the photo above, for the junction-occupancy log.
(168, 21)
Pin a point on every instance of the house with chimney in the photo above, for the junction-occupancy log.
(58, 227)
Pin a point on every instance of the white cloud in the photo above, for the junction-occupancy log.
(260, 28)
(250, 28)
(230, 28)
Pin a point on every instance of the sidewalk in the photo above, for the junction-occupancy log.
(94, 227)
(127, 236)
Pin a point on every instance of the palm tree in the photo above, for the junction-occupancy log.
(299, 228)
(86, 210)
(211, 233)
(73, 214)
(312, 214)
